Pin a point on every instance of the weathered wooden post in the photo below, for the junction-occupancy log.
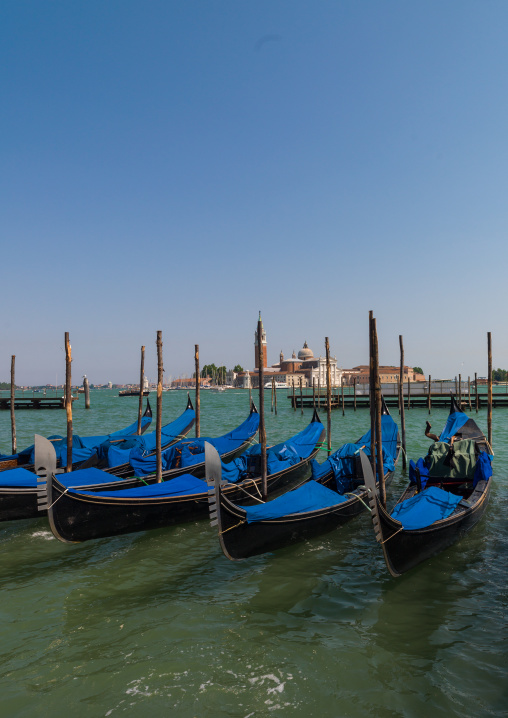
(469, 392)
(456, 389)
(262, 430)
(158, 444)
(294, 397)
(342, 393)
(198, 387)
(476, 390)
(460, 391)
(275, 397)
(489, 385)
(402, 414)
(379, 434)
(141, 384)
(86, 387)
(301, 396)
(408, 392)
(354, 393)
(13, 400)
(68, 401)
(273, 391)
(430, 393)
(328, 397)
(314, 392)
(372, 401)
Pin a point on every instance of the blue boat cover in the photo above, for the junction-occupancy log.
(309, 497)
(425, 508)
(454, 422)
(82, 446)
(278, 457)
(191, 452)
(342, 462)
(18, 478)
(180, 486)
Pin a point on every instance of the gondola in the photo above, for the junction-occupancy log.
(447, 495)
(18, 487)
(79, 515)
(334, 495)
(83, 447)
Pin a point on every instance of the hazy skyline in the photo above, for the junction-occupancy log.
(181, 166)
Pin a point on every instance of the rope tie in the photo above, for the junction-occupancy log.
(396, 532)
(232, 527)
(58, 499)
(359, 499)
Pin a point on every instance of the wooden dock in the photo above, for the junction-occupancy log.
(33, 402)
(438, 400)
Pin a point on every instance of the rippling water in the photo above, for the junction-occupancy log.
(161, 623)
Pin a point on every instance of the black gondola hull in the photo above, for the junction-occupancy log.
(81, 517)
(404, 550)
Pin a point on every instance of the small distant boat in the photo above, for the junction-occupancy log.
(133, 392)
(278, 385)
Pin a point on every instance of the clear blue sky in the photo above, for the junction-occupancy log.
(182, 165)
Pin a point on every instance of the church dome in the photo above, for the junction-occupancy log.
(305, 353)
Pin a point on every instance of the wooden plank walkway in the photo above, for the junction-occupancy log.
(33, 402)
(439, 401)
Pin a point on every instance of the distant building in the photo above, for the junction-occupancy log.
(304, 368)
(387, 374)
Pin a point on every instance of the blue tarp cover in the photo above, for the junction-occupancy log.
(342, 462)
(180, 486)
(425, 508)
(483, 468)
(82, 446)
(278, 457)
(309, 497)
(18, 477)
(454, 422)
(191, 452)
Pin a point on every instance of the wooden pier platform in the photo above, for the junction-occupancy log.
(33, 402)
(438, 401)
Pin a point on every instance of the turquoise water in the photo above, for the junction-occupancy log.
(160, 623)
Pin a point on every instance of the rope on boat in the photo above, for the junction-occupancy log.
(250, 495)
(58, 499)
(359, 499)
(232, 527)
(396, 532)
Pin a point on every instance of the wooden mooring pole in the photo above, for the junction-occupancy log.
(13, 399)
(273, 392)
(476, 391)
(342, 394)
(262, 430)
(275, 397)
(489, 385)
(402, 413)
(141, 383)
(328, 398)
(86, 387)
(372, 399)
(469, 392)
(294, 397)
(408, 393)
(158, 428)
(354, 393)
(198, 389)
(68, 400)
(430, 393)
(301, 397)
(379, 439)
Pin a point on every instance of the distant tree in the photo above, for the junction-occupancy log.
(5, 384)
(499, 374)
(238, 369)
(418, 370)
